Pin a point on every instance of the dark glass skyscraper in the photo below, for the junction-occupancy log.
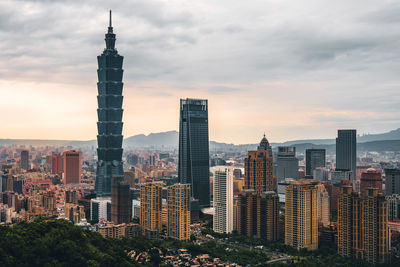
(109, 112)
(346, 151)
(193, 166)
(314, 158)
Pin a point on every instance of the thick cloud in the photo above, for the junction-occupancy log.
(324, 62)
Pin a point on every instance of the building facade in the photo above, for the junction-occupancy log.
(346, 151)
(150, 208)
(392, 181)
(287, 165)
(72, 165)
(314, 158)
(193, 164)
(121, 203)
(24, 159)
(223, 200)
(393, 207)
(178, 211)
(370, 178)
(109, 112)
(301, 215)
(363, 225)
(259, 169)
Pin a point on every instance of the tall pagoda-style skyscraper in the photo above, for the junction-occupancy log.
(109, 138)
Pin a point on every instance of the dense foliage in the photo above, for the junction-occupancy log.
(58, 243)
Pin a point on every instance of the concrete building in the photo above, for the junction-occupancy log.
(392, 181)
(394, 207)
(338, 175)
(259, 169)
(363, 225)
(24, 159)
(100, 209)
(315, 158)
(301, 215)
(72, 166)
(56, 164)
(150, 208)
(178, 211)
(370, 178)
(74, 212)
(120, 200)
(323, 206)
(346, 151)
(223, 200)
(287, 165)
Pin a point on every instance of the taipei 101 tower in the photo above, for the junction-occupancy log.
(109, 112)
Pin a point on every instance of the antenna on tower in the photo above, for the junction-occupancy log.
(110, 19)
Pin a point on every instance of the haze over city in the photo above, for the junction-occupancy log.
(293, 70)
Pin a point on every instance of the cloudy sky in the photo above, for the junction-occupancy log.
(292, 69)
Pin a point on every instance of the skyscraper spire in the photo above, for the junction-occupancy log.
(110, 20)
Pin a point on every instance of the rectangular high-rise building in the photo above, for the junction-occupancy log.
(193, 165)
(25, 159)
(178, 210)
(223, 200)
(257, 214)
(72, 164)
(346, 151)
(150, 208)
(121, 203)
(301, 215)
(314, 158)
(287, 165)
(392, 181)
(363, 225)
(56, 164)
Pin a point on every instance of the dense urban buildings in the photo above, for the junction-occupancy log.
(259, 169)
(72, 165)
(178, 206)
(109, 99)
(363, 225)
(301, 215)
(193, 166)
(223, 200)
(150, 209)
(314, 158)
(346, 151)
(392, 181)
(287, 165)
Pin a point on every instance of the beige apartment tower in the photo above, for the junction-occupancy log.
(363, 225)
(178, 203)
(259, 169)
(301, 215)
(150, 208)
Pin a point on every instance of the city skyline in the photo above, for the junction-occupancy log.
(247, 67)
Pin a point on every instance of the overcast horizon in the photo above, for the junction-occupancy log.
(294, 70)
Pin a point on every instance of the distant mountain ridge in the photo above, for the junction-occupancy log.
(170, 139)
